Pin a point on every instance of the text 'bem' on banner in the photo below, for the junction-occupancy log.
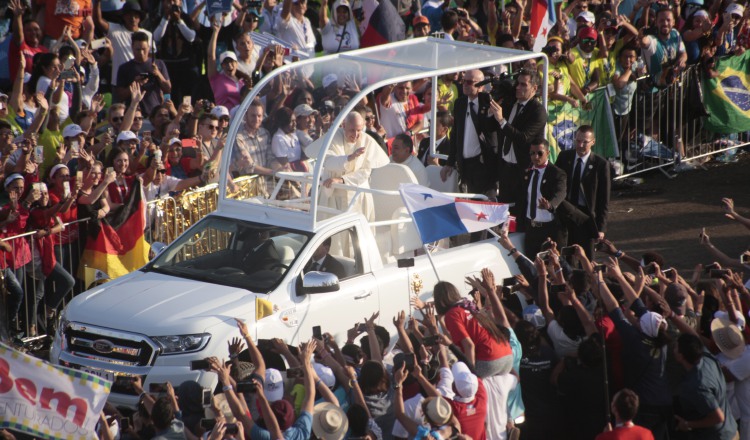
(48, 401)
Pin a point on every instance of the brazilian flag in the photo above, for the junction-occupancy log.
(563, 120)
(727, 97)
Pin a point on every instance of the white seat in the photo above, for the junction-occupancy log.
(404, 236)
(349, 265)
(449, 186)
(287, 254)
(388, 178)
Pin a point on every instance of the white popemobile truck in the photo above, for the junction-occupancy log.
(181, 306)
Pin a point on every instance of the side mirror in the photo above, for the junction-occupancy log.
(156, 249)
(319, 282)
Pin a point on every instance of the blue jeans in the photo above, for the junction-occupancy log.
(15, 291)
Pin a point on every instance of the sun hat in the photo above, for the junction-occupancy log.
(329, 421)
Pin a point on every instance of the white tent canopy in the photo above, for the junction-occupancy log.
(369, 69)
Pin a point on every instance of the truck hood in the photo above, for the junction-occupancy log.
(156, 304)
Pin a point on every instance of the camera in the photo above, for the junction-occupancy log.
(502, 86)
(174, 9)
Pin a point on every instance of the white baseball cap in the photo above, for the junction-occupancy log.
(587, 15)
(465, 381)
(274, 385)
(72, 130)
(126, 135)
(220, 111)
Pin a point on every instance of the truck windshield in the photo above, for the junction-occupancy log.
(232, 252)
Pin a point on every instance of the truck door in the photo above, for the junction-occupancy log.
(357, 297)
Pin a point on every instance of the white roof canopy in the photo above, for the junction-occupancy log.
(369, 69)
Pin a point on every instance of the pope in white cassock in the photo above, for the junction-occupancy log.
(351, 157)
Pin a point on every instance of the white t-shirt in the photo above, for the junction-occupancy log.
(122, 48)
(564, 346)
(331, 36)
(286, 145)
(298, 33)
(168, 184)
(738, 391)
(63, 107)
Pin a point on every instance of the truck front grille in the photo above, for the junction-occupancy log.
(113, 346)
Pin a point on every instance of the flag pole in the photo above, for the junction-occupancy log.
(432, 263)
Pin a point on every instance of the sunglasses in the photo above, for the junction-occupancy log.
(212, 127)
(536, 153)
(588, 41)
(161, 171)
(117, 118)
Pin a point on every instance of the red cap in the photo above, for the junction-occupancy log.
(587, 32)
(420, 19)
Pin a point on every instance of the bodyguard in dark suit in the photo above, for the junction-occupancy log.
(521, 121)
(323, 262)
(443, 124)
(541, 192)
(588, 189)
(473, 139)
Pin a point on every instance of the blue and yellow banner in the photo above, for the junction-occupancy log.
(727, 97)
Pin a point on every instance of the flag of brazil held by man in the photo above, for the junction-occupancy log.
(727, 97)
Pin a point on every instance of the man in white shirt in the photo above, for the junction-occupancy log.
(121, 36)
(402, 152)
(294, 27)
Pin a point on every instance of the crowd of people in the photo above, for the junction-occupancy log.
(104, 98)
(566, 349)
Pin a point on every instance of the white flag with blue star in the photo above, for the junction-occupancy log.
(437, 215)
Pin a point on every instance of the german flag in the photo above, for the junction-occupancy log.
(116, 245)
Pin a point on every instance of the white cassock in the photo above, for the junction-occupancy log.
(355, 173)
(419, 171)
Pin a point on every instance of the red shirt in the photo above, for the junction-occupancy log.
(634, 432)
(461, 325)
(70, 233)
(472, 415)
(59, 13)
(119, 193)
(14, 53)
(21, 254)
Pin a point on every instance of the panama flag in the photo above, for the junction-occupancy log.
(437, 215)
(542, 20)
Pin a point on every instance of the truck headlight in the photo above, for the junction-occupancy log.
(180, 344)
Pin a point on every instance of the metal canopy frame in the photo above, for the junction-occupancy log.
(397, 61)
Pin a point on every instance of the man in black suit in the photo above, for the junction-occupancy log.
(588, 189)
(322, 262)
(525, 121)
(542, 191)
(472, 140)
(443, 124)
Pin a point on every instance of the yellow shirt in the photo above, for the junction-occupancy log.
(581, 69)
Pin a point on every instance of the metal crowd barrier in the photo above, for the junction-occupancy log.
(167, 218)
(665, 127)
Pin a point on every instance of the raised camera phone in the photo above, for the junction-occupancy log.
(668, 272)
(718, 273)
(568, 251)
(707, 270)
(157, 387)
(649, 270)
(317, 333)
(206, 397)
(600, 268)
(200, 365)
(98, 44)
(246, 387)
(544, 256)
(124, 424)
(558, 288)
(745, 258)
(208, 424)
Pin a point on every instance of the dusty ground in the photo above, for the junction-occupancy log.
(666, 215)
